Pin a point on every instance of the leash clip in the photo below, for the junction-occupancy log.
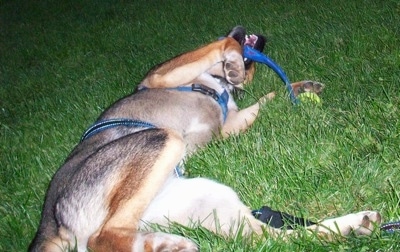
(205, 90)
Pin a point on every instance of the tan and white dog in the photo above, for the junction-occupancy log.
(122, 174)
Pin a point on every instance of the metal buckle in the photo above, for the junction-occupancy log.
(205, 90)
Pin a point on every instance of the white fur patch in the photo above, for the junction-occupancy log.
(196, 126)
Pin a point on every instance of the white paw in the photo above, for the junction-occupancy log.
(361, 223)
(267, 98)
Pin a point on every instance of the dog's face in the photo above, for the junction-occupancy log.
(255, 41)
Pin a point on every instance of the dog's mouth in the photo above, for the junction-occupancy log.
(251, 40)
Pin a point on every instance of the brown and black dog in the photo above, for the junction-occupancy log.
(125, 171)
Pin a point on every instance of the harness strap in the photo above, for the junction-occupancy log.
(278, 219)
(111, 123)
(222, 99)
(391, 227)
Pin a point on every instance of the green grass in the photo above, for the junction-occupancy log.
(63, 62)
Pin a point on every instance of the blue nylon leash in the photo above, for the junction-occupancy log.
(112, 123)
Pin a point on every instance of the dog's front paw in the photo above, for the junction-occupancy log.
(307, 86)
(234, 68)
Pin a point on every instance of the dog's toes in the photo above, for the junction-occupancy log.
(361, 223)
(234, 68)
(307, 86)
(368, 221)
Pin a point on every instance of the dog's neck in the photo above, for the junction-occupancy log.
(218, 90)
(221, 98)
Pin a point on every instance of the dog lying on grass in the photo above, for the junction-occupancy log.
(125, 171)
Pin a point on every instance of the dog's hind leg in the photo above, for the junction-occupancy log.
(131, 195)
(186, 68)
(204, 202)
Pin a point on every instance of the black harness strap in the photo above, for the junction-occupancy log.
(278, 219)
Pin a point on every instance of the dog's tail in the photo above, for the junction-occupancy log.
(45, 243)
(48, 238)
(47, 228)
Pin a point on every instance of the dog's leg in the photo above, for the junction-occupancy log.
(217, 207)
(200, 201)
(239, 121)
(186, 68)
(131, 196)
(361, 223)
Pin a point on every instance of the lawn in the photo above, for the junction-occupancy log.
(63, 62)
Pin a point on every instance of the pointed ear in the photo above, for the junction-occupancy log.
(238, 33)
(260, 43)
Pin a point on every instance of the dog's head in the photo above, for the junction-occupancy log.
(255, 41)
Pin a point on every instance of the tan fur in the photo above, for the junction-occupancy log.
(122, 222)
(120, 179)
(195, 63)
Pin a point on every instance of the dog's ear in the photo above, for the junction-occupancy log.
(238, 33)
(260, 43)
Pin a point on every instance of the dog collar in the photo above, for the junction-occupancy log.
(111, 123)
(222, 99)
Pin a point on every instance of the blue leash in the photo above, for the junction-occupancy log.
(112, 123)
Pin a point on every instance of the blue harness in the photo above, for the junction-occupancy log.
(112, 123)
(221, 99)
